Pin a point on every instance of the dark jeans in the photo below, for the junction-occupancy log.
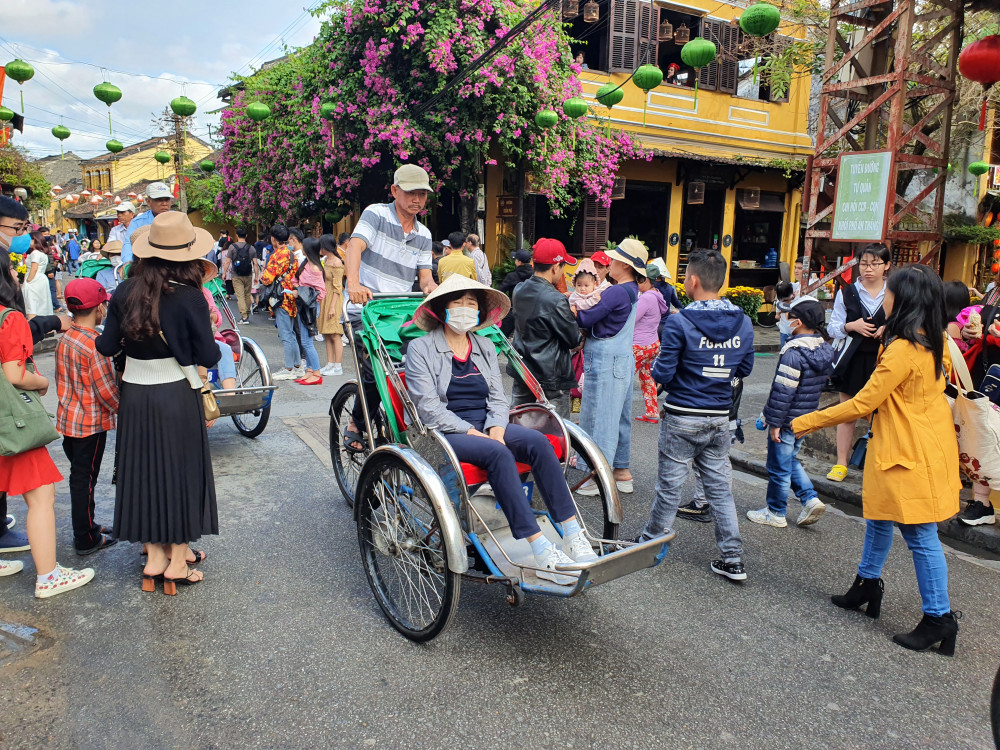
(84, 456)
(529, 447)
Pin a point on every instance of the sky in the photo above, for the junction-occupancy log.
(153, 52)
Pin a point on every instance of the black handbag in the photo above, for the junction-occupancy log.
(860, 450)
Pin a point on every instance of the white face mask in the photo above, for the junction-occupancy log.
(461, 319)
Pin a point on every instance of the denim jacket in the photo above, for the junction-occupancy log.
(428, 375)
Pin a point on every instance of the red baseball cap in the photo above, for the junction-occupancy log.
(601, 258)
(551, 251)
(84, 294)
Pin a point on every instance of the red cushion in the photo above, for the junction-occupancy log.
(476, 475)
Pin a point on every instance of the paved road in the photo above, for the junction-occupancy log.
(284, 646)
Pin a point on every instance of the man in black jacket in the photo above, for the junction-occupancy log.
(545, 330)
(522, 272)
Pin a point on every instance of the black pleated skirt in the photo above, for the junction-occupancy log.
(852, 376)
(165, 492)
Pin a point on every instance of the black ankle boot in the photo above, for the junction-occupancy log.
(929, 631)
(863, 591)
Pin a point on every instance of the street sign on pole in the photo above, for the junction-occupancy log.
(861, 208)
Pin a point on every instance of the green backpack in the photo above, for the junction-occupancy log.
(24, 423)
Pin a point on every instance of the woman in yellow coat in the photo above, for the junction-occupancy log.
(911, 472)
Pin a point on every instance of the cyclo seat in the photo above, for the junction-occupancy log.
(473, 474)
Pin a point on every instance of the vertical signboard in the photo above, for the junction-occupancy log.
(861, 208)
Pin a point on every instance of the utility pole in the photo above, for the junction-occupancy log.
(179, 164)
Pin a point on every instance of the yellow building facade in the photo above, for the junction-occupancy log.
(728, 162)
(137, 163)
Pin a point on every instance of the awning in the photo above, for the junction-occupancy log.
(771, 203)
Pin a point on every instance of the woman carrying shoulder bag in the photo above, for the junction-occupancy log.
(31, 473)
(911, 473)
(165, 495)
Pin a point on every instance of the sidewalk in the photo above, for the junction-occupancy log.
(765, 339)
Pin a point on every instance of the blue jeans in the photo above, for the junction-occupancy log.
(704, 442)
(928, 560)
(783, 339)
(227, 365)
(527, 446)
(287, 329)
(784, 471)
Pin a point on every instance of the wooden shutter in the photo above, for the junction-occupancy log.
(649, 26)
(708, 76)
(530, 211)
(729, 58)
(624, 25)
(595, 225)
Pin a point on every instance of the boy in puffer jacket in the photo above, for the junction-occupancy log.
(805, 364)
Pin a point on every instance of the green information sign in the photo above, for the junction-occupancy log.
(861, 207)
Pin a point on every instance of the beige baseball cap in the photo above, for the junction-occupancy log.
(410, 177)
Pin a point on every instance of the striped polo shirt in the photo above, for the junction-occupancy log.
(391, 260)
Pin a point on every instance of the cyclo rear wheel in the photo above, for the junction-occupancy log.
(251, 372)
(403, 551)
(346, 464)
(593, 508)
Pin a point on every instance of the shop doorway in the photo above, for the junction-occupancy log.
(701, 225)
(643, 213)
(758, 227)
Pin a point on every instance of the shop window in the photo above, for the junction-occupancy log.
(677, 26)
(590, 41)
(643, 213)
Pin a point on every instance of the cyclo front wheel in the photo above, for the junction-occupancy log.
(346, 464)
(403, 551)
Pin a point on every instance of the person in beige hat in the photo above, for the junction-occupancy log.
(454, 379)
(397, 250)
(165, 493)
(606, 406)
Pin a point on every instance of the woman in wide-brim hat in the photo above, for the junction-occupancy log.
(453, 377)
(608, 362)
(165, 493)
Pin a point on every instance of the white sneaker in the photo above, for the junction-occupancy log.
(625, 486)
(284, 374)
(552, 557)
(302, 366)
(68, 580)
(326, 370)
(811, 512)
(318, 337)
(767, 518)
(338, 369)
(346, 341)
(589, 489)
(299, 372)
(578, 549)
(9, 568)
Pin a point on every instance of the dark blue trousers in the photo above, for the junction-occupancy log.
(499, 460)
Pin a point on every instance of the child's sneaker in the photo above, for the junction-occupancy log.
(811, 512)
(578, 548)
(574, 406)
(734, 571)
(838, 473)
(67, 580)
(554, 556)
(765, 517)
(10, 567)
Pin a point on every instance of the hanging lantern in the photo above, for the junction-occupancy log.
(86, 193)
(117, 200)
(666, 32)
(6, 115)
(978, 168)
(591, 12)
(107, 193)
(980, 62)
(95, 200)
(328, 111)
(609, 95)
(183, 107)
(546, 119)
(258, 112)
(647, 77)
(57, 188)
(109, 94)
(682, 35)
(575, 108)
(571, 9)
(995, 268)
(20, 71)
(207, 165)
(62, 133)
(698, 53)
(760, 19)
(996, 254)
(162, 157)
(115, 147)
(132, 196)
(989, 219)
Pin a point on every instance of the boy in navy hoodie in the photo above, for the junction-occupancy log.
(703, 348)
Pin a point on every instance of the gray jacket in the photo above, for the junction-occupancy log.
(428, 375)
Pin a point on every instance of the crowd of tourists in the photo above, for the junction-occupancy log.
(574, 323)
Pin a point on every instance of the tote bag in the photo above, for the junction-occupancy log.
(24, 423)
(977, 425)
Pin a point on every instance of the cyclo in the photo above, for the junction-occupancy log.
(423, 525)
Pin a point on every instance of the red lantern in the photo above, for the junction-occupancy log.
(995, 268)
(996, 255)
(980, 62)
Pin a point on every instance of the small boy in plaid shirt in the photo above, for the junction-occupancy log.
(88, 402)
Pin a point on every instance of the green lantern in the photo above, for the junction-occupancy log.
(6, 115)
(62, 133)
(109, 94)
(760, 19)
(609, 95)
(114, 146)
(647, 77)
(162, 157)
(20, 71)
(575, 108)
(207, 166)
(258, 112)
(546, 119)
(328, 111)
(698, 53)
(978, 168)
(183, 107)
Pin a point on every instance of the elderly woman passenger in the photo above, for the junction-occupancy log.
(454, 379)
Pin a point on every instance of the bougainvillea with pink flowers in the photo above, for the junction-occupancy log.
(376, 61)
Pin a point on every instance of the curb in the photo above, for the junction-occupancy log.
(766, 348)
(986, 538)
